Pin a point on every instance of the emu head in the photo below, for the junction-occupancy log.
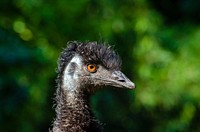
(85, 66)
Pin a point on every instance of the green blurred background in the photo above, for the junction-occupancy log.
(158, 41)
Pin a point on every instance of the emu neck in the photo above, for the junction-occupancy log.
(73, 113)
(73, 110)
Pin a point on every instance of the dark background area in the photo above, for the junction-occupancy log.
(158, 41)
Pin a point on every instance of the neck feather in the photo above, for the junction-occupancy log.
(73, 113)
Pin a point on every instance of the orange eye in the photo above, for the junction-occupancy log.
(91, 68)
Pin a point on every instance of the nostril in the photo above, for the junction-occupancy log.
(119, 76)
(121, 79)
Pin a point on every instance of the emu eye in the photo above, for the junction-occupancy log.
(92, 68)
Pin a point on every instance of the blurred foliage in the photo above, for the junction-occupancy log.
(158, 42)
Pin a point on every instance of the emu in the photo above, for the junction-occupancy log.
(83, 68)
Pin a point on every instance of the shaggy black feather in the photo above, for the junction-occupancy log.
(77, 117)
(91, 52)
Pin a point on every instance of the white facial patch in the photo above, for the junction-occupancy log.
(70, 77)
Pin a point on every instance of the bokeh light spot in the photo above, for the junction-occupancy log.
(26, 35)
(19, 26)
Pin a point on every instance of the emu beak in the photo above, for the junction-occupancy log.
(120, 80)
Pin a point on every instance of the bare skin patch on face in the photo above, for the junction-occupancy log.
(71, 76)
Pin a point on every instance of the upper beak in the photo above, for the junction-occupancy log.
(120, 80)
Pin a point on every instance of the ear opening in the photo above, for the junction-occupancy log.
(71, 68)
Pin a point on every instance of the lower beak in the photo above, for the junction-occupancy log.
(120, 80)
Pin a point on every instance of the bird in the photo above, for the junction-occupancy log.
(84, 67)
